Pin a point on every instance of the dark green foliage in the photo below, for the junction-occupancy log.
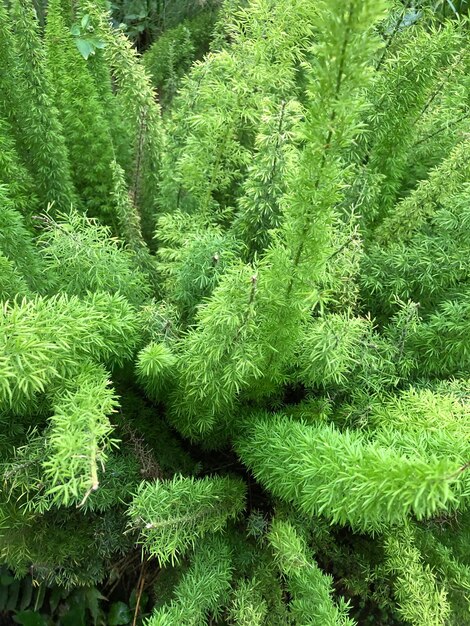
(144, 20)
(16, 241)
(81, 114)
(234, 347)
(130, 227)
(173, 52)
(14, 175)
(259, 205)
(12, 283)
(41, 131)
(140, 117)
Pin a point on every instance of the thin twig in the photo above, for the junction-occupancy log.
(464, 467)
(393, 35)
(441, 129)
(139, 156)
(140, 589)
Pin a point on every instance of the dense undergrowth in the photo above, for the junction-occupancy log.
(234, 348)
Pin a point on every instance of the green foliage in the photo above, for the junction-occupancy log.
(346, 478)
(84, 124)
(14, 175)
(176, 513)
(428, 255)
(329, 349)
(16, 241)
(264, 186)
(81, 256)
(144, 20)
(41, 130)
(201, 588)
(440, 188)
(216, 114)
(73, 555)
(432, 421)
(129, 223)
(78, 435)
(442, 339)
(44, 339)
(234, 288)
(192, 259)
(311, 590)
(154, 365)
(173, 52)
(400, 96)
(38, 605)
(141, 116)
(12, 283)
(248, 607)
(420, 601)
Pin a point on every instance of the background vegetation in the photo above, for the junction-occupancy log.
(234, 284)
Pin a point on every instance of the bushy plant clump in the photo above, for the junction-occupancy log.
(235, 304)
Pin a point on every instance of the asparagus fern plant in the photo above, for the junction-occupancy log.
(234, 352)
